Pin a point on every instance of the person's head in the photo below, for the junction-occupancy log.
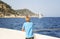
(27, 18)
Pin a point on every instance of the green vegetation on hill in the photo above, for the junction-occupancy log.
(25, 12)
(6, 10)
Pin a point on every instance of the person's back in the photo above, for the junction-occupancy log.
(28, 28)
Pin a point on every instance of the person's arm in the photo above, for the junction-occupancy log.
(23, 28)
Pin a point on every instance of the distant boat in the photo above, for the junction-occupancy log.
(40, 15)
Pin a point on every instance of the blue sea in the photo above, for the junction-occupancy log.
(47, 26)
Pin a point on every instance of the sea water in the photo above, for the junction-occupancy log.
(47, 25)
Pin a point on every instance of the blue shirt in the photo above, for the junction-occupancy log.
(28, 27)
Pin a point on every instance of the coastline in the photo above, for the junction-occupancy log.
(17, 16)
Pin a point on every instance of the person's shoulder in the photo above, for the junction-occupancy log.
(25, 22)
(28, 22)
(31, 22)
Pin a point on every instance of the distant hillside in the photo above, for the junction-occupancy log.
(25, 12)
(6, 10)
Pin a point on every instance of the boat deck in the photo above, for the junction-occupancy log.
(15, 34)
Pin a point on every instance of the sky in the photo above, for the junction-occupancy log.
(49, 8)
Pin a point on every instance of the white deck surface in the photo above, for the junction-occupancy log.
(15, 34)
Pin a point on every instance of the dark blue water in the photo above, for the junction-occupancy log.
(47, 25)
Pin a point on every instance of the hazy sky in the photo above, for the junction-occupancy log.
(49, 8)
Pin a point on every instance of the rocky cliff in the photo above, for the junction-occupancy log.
(6, 10)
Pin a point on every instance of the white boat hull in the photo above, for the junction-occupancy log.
(15, 34)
